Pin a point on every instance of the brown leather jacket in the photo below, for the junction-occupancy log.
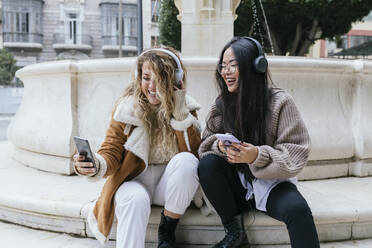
(124, 154)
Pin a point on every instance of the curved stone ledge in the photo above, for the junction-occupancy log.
(37, 199)
(67, 98)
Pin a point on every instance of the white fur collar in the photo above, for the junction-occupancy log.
(125, 112)
(139, 141)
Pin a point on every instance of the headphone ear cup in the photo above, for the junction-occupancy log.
(179, 76)
(260, 64)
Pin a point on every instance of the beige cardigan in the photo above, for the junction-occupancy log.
(288, 141)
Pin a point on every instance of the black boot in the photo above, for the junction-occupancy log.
(166, 236)
(235, 234)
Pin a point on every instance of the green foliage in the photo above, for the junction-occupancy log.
(7, 67)
(169, 26)
(296, 24)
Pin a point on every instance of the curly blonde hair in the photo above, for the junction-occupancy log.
(156, 118)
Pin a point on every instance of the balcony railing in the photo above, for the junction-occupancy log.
(79, 42)
(84, 39)
(113, 40)
(18, 37)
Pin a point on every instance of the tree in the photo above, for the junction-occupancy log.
(7, 67)
(169, 26)
(296, 24)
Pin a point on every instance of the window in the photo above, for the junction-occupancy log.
(358, 40)
(22, 21)
(110, 22)
(154, 41)
(155, 10)
(71, 28)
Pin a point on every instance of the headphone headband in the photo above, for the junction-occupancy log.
(258, 45)
(179, 71)
(260, 63)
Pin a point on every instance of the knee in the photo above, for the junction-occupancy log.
(132, 194)
(210, 165)
(187, 164)
(297, 211)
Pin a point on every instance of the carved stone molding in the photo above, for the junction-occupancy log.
(72, 3)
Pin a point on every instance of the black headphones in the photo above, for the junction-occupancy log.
(260, 63)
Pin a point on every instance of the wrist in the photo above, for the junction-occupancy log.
(218, 146)
(254, 154)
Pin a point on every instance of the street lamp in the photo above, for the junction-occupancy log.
(120, 28)
(139, 28)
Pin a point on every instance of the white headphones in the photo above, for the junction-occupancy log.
(178, 72)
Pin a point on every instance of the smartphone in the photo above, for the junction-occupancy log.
(227, 139)
(83, 148)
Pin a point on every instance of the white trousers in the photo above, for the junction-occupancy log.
(172, 186)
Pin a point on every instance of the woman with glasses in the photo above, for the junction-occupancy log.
(259, 171)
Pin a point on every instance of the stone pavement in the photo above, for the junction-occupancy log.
(4, 123)
(14, 236)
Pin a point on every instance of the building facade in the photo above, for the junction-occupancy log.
(44, 30)
(361, 32)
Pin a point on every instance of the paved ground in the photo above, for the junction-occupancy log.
(4, 122)
(10, 100)
(15, 236)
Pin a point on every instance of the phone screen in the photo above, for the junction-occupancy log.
(227, 139)
(83, 148)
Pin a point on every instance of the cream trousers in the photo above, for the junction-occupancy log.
(172, 186)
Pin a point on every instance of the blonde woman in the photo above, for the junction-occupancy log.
(148, 155)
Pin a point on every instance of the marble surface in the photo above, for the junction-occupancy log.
(14, 236)
(77, 98)
(341, 207)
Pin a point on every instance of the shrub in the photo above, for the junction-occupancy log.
(7, 67)
(169, 26)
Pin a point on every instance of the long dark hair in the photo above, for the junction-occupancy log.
(245, 112)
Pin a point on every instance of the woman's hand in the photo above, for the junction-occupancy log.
(221, 147)
(242, 153)
(84, 168)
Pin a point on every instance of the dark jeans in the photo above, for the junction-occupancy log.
(222, 186)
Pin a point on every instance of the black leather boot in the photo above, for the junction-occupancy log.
(235, 234)
(166, 236)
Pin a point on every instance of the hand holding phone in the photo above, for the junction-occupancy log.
(85, 161)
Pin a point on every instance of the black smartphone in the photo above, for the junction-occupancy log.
(83, 148)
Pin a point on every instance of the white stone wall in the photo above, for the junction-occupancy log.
(76, 98)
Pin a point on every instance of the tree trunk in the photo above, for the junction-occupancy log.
(296, 40)
(250, 32)
(309, 40)
(277, 49)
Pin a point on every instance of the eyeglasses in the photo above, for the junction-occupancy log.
(224, 68)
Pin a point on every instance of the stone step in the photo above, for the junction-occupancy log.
(341, 207)
(15, 236)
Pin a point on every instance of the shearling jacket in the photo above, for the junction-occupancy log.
(125, 151)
